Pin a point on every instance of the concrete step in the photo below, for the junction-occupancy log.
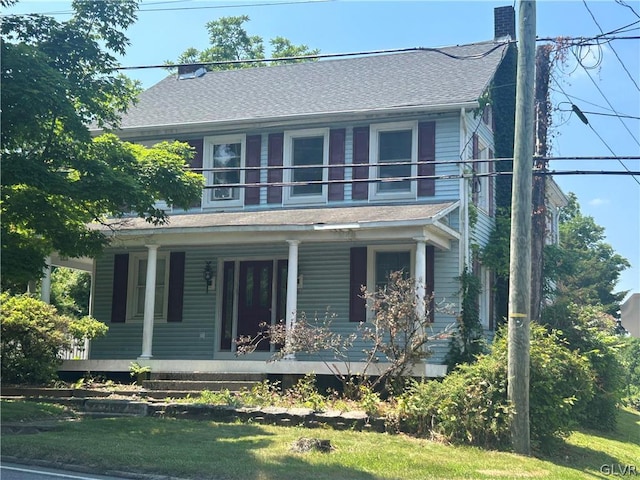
(198, 385)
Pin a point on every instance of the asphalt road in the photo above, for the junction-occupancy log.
(11, 471)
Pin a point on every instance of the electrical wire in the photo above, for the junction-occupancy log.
(625, 4)
(609, 103)
(199, 7)
(611, 46)
(535, 171)
(584, 120)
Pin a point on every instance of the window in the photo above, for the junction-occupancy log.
(138, 285)
(224, 160)
(394, 145)
(389, 262)
(309, 151)
(481, 182)
(384, 259)
(484, 297)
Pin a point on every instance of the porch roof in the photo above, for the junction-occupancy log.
(299, 219)
(366, 223)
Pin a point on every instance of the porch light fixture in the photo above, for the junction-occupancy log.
(208, 274)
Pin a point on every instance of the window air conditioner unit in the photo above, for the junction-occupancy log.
(223, 193)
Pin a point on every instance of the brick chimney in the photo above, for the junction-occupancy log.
(504, 22)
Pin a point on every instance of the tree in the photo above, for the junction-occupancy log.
(230, 41)
(58, 79)
(584, 267)
(70, 291)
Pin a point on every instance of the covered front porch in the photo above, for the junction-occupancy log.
(177, 296)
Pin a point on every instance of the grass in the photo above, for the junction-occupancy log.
(17, 411)
(209, 450)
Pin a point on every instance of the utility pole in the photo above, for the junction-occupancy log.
(520, 244)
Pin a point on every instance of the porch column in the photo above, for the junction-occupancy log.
(149, 302)
(292, 287)
(45, 286)
(420, 269)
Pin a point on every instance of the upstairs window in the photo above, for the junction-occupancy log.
(307, 151)
(394, 155)
(224, 160)
(480, 185)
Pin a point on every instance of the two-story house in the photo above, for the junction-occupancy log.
(320, 177)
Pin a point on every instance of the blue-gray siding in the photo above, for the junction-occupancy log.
(325, 288)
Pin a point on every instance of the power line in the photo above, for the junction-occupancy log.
(631, 117)
(611, 46)
(606, 100)
(625, 4)
(321, 56)
(408, 178)
(199, 7)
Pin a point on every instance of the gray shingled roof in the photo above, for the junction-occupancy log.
(422, 78)
(294, 219)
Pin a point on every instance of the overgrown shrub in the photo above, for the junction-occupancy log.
(470, 404)
(32, 336)
(590, 332)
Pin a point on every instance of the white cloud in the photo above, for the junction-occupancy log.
(596, 202)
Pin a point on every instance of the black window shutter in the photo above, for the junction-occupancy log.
(358, 278)
(336, 157)
(360, 190)
(275, 153)
(426, 159)
(119, 295)
(196, 161)
(252, 194)
(176, 286)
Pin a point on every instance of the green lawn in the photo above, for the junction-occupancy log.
(208, 450)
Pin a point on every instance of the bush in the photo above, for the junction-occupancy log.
(470, 404)
(590, 332)
(32, 336)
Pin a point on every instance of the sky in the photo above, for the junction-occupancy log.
(609, 86)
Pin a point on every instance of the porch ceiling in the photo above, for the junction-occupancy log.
(320, 223)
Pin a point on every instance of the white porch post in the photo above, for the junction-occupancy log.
(420, 269)
(149, 302)
(292, 287)
(45, 286)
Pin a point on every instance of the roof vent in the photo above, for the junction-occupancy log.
(186, 72)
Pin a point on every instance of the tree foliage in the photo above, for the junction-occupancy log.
(58, 79)
(70, 291)
(470, 404)
(33, 334)
(591, 332)
(584, 267)
(229, 41)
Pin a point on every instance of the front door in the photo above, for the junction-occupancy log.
(255, 298)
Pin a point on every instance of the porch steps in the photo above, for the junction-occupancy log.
(197, 382)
